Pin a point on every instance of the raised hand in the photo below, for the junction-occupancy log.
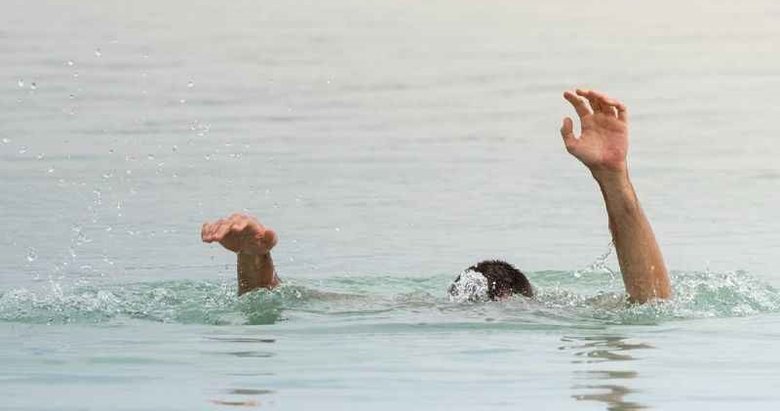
(603, 147)
(603, 144)
(240, 233)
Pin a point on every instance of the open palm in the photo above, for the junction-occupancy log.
(603, 144)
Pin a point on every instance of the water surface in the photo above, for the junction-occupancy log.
(391, 144)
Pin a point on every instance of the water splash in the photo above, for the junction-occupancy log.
(32, 255)
(561, 301)
(469, 286)
(600, 264)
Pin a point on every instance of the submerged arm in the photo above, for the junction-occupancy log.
(252, 242)
(603, 147)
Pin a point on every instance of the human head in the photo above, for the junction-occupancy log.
(494, 279)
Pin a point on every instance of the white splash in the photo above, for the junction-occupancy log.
(470, 286)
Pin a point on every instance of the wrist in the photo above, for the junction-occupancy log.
(617, 190)
(252, 255)
(611, 176)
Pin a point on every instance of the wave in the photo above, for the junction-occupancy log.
(562, 298)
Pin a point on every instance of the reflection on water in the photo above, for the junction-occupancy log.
(249, 391)
(242, 390)
(604, 385)
(248, 403)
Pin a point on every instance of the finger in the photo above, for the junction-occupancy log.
(204, 230)
(270, 239)
(567, 132)
(236, 217)
(622, 112)
(239, 226)
(580, 104)
(210, 231)
(584, 93)
(593, 99)
(606, 103)
(222, 230)
(605, 98)
(620, 108)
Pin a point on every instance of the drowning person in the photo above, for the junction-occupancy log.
(602, 147)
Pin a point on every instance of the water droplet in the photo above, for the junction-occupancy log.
(33, 86)
(182, 101)
(72, 97)
(40, 156)
(32, 254)
(70, 63)
(76, 74)
(20, 83)
(175, 148)
(22, 150)
(98, 53)
(338, 229)
(80, 237)
(98, 197)
(6, 140)
(190, 85)
(50, 170)
(207, 157)
(110, 151)
(150, 156)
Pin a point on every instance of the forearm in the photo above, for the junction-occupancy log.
(255, 271)
(641, 262)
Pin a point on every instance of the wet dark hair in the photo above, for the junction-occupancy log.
(503, 279)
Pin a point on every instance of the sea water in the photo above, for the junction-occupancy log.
(391, 144)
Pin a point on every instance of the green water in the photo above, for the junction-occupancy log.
(564, 299)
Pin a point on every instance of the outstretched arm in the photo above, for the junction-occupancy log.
(252, 242)
(603, 147)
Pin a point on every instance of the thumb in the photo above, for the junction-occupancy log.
(567, 132)
(269, 239)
